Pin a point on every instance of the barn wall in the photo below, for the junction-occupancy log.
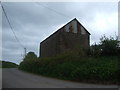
(71, 40)
(71, 27)
(49, 46)
(68, 37)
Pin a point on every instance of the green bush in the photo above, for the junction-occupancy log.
(109, 46)
(96, 50)
(30, 56)
(99, 69)
(106, 47)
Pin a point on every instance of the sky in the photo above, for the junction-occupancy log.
(32, 22)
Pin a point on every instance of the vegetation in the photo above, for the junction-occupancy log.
(96, 69)
(77, 67)
(0, 64)
(30, 56)
(5, 64)
(106, 47)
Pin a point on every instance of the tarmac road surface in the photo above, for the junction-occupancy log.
(14, 78)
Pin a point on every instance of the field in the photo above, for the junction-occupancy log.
(5, 64)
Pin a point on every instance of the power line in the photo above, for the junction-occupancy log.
(11, 26)
(53, 10)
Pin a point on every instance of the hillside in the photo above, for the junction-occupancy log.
(6, 64)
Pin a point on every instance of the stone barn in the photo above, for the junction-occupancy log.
(66, 38)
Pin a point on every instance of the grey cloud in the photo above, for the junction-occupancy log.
(32, 23)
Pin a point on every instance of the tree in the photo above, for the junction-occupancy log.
(30, 56)
(106, 46)
(109, 46)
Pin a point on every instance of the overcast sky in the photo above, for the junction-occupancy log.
(33, 22)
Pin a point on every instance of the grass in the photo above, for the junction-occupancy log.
(6, 64)
(102, 69)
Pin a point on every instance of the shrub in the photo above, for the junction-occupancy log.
(98, 69)
(109, 46)
(30, 56)
(96, 50)
(106, 46)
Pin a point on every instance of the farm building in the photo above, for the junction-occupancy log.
(66, 38)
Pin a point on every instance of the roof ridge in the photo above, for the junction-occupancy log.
(64, 26)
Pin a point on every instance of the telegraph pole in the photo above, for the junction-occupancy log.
(25, 52)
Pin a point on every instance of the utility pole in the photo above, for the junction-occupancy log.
(24, 52)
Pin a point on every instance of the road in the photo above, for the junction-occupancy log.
(0, 78)
(14, 78)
